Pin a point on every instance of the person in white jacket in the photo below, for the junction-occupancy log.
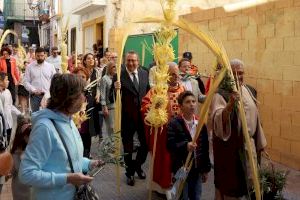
(7, 102)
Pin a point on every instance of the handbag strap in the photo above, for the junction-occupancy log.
(65, 146)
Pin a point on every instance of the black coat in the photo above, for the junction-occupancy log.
(178, 137)
(131, 99)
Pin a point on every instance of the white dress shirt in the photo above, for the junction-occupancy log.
(131, 75)
(56, 61)
(38, 76)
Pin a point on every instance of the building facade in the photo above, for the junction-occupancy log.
(267, 39)
(22, 17)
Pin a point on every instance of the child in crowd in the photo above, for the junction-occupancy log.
(7, 102)
(181, 130)
(19, 190)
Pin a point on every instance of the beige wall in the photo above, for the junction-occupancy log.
(130, 11)
(267, 39)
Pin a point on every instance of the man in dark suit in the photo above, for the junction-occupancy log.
(134, 86)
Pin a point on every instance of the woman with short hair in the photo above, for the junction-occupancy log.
(45, 164)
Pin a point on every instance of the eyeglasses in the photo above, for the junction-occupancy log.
(129, 60)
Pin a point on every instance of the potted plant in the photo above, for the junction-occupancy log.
(273, 182)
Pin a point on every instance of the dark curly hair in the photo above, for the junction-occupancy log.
(5, 49)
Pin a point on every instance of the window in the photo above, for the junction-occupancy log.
(73, 40)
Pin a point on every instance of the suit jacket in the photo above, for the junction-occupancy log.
(131, 98)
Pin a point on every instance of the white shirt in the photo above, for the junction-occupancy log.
(56, 62)
(187, 84)
(131, 75)
(8, 108)
(192, 126)
(38, 76)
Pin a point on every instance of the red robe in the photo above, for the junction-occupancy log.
(162, 174)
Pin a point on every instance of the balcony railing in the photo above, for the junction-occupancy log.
(18, 11)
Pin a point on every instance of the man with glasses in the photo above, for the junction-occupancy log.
(55, 59)
(113, 57)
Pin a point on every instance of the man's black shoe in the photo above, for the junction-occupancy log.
(130, 180)
(141, 174)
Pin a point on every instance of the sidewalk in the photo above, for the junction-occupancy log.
(6, 191)
(292, 189)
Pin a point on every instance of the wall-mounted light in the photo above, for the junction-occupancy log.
(244, 4)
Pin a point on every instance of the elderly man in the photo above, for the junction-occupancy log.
(232, 178)
(55, 59)
(162, 173)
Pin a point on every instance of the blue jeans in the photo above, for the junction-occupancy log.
(193, 187)
(35, 102)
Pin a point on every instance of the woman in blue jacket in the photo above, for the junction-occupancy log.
(45, 163)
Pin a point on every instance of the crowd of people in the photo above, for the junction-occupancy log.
(45, 100)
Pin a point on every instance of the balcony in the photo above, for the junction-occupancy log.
(82, 7)
(18, 11)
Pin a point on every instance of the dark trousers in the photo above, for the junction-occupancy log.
(87, 142)
(127, 133)
(97, 119)
(193, 187)
(35, 102)
(8, 131)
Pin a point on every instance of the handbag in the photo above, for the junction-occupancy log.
(85, 191)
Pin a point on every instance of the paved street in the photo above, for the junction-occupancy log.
(106, 185)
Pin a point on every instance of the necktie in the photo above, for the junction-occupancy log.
(135, 82)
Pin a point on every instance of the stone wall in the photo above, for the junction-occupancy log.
(267, 39)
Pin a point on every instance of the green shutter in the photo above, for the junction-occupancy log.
(136, 43)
